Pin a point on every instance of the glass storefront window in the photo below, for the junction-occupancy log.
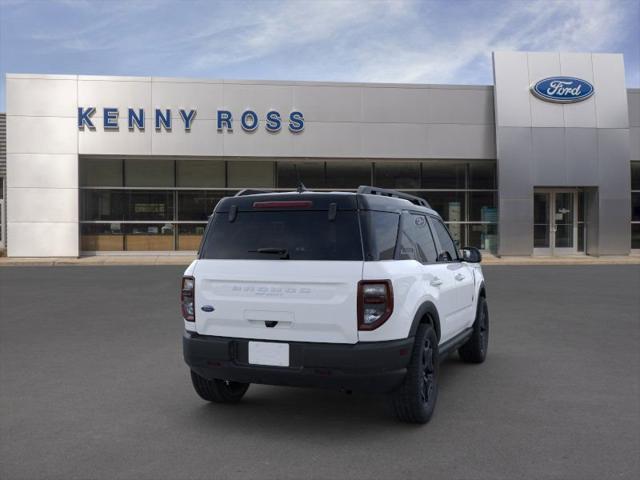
(250, 174)
(101, 237)
(442, 175)
(208, 180)
(348, 174)
(189, 236)
(482, 175)
(126, 205)
(581, 221)
(103, 172)
(200, 173)
(450, 205)
(148, 237)
(635, 175)
(483, 236)
(635, 206)
(581, 235)
(635, 235)
(310, 173)
(150, 205)
(397, 175)
(199, 205)
(149, 173)
(103, 205)
(482, 207)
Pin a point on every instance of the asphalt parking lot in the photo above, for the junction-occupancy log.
(92, 385)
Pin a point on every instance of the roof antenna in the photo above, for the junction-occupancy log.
(300, 188)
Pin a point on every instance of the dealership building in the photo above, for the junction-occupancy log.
(544, 162)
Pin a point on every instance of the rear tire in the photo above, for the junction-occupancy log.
(475, 349)
(218, 391)
(415, 400)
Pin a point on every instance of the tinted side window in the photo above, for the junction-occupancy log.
(446, 242)
(380, 234)
(416, 242)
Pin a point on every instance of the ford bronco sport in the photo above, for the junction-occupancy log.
(357, 291)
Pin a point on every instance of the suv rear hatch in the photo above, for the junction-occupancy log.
(281, 267)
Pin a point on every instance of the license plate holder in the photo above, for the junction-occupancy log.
(269, 353)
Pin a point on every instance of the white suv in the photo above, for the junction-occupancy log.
(356, 291)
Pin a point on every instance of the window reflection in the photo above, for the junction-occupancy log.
(450, 205)
(443, 175)
(310, 173)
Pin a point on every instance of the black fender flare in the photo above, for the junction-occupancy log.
(482, 290)
(427, 309)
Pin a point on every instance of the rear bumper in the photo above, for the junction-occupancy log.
(369, 367)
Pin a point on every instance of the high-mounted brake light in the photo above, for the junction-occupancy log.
(187, 299)
(375, 303)
(284, 204)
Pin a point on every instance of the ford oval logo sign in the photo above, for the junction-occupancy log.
(562, 89)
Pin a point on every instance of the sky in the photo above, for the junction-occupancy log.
(403, 41)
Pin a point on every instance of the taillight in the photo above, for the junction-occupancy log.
(187, 299)
(375, 303)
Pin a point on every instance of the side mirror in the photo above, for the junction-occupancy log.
(471, 255)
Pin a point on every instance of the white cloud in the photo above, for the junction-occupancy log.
(408, 41)
(571, 25)
(258, 32)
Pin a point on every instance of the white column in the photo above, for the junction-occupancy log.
(42, 166)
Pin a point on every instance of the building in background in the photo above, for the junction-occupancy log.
(3, 175)
(136, 164)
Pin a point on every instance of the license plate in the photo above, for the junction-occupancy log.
(268, 353)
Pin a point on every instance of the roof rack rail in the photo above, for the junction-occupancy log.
(393, 193)
(251, 191)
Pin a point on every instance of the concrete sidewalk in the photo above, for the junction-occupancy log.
(99, 260)
(186, 260)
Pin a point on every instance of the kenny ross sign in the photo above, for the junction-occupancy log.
(249, 120)
(562, 89)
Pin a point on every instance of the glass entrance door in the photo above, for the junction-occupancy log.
(555, 222)
(541, 225)
(564, 223)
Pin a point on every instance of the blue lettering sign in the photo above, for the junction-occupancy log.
(187, 118)
(84, 117)
(163, 120)
(225, 119)
(562, 89)
(273, 124)
(296, 122)
(110, 118)
(136, 120)
(249, 121)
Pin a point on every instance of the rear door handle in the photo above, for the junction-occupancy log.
(436, 282)
(459, 277)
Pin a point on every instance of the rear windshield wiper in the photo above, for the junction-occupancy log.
(283, 252)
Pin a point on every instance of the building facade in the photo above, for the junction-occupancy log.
(136, 164)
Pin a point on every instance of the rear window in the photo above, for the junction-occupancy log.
(276, 235)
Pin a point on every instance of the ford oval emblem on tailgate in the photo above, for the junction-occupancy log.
(207, 308)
